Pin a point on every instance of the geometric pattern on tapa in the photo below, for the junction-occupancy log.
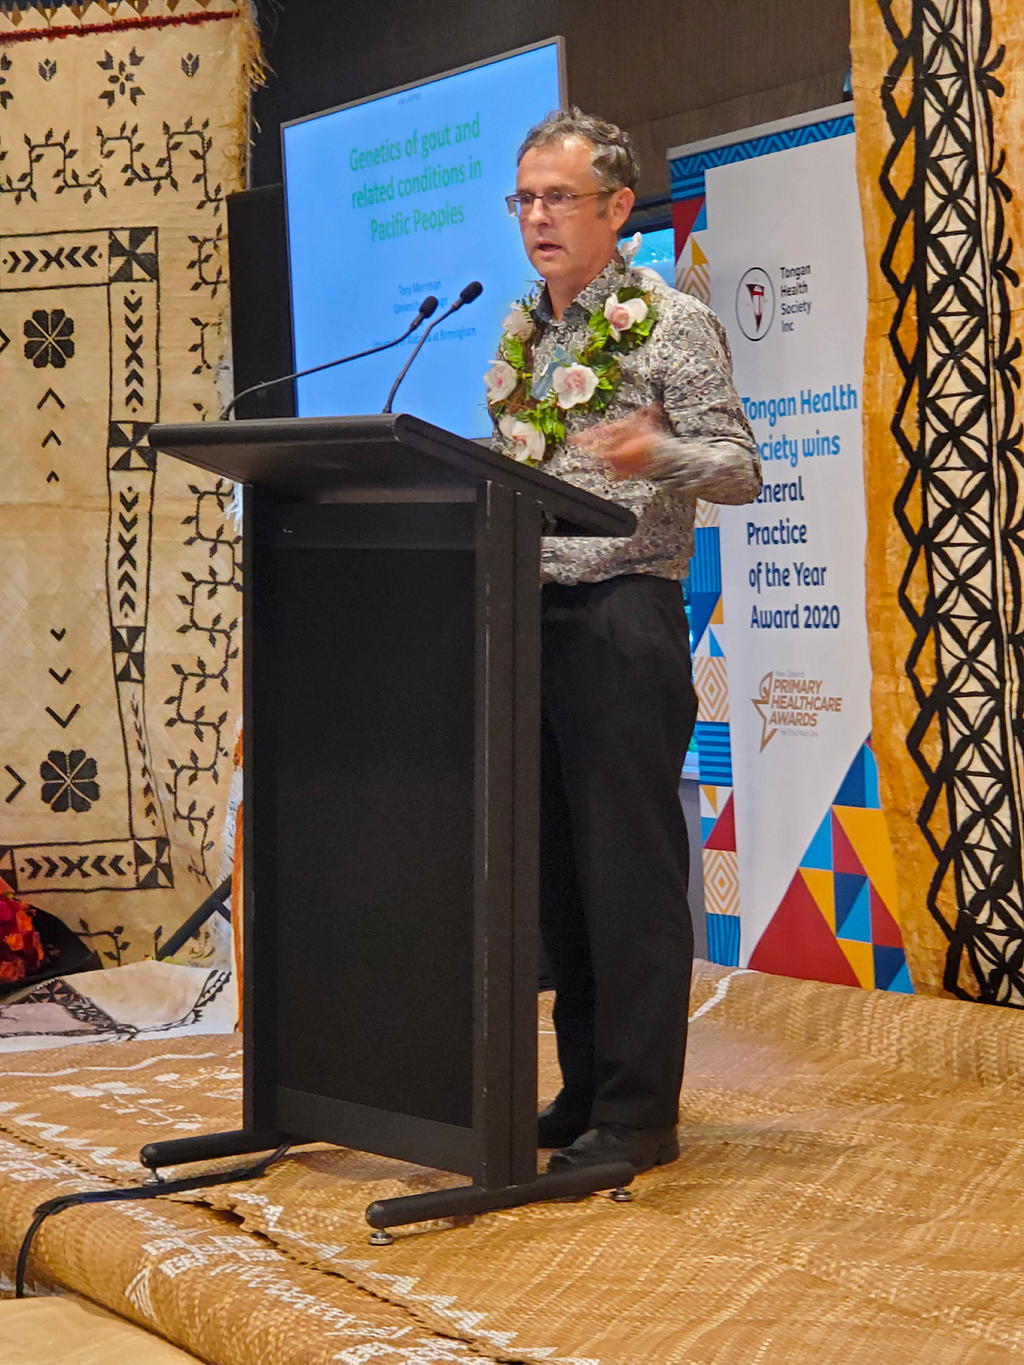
(945, 525)
(122, 628)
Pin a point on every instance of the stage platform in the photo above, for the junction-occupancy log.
(68, 1331)
(851, 1189)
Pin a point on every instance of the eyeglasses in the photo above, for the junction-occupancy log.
(556, 202)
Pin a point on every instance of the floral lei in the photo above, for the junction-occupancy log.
(589, 384)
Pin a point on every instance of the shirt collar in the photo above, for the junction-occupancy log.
(612, 277)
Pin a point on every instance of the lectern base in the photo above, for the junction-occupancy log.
(472, 1199)
(463, 1201)
(208, 1147)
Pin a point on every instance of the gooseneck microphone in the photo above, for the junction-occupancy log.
(427, 308)
(472, 291)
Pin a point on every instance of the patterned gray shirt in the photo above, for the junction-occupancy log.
(708, 450)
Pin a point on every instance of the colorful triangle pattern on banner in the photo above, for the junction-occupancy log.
(722, 835)
(839, 918)
(714, 742)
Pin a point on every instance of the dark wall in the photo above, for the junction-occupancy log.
(670, 71)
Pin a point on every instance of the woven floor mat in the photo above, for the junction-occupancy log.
(193, 1276)
(851, 1189)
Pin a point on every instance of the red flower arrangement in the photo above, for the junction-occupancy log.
(21, 949)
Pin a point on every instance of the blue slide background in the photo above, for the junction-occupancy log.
(350, 291)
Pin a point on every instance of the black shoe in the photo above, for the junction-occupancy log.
(558, 1127)
(641, 1147)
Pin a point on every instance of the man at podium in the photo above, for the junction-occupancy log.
(609, 379)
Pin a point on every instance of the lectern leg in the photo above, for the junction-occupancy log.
(208, 1147)
(471, 1199)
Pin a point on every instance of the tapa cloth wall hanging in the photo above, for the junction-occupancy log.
(940, 132)
(123, 126)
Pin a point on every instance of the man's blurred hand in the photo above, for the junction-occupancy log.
(626, 447)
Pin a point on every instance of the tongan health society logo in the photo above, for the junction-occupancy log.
(755, 303)
(794, 703)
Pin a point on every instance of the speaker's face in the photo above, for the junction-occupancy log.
(570, 225)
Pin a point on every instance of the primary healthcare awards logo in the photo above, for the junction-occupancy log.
(794, 703)
(755, 303)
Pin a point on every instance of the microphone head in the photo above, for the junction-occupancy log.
(472, 291)
(428, 307)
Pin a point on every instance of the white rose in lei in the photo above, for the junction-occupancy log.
(528, 441)
(518, 324)
(500, 380)
(622, 315)
(573, 384)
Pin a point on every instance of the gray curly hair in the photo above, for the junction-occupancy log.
(614, 160)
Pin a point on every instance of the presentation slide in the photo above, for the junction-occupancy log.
(400, 197)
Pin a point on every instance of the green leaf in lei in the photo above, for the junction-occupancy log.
(603, 363)
(513, 351)
(607, 385)
(545, 418)
(640, 331)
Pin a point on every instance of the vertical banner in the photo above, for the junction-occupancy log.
(799, 876)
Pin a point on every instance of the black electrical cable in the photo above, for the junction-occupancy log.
(195, 1182)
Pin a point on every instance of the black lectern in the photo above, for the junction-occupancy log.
(391, 663)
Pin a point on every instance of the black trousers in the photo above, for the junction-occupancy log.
(618, 709)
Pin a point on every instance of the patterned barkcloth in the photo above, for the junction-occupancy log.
(123, 126)
(940, 114)
(141, 1000)
(834, 1205)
